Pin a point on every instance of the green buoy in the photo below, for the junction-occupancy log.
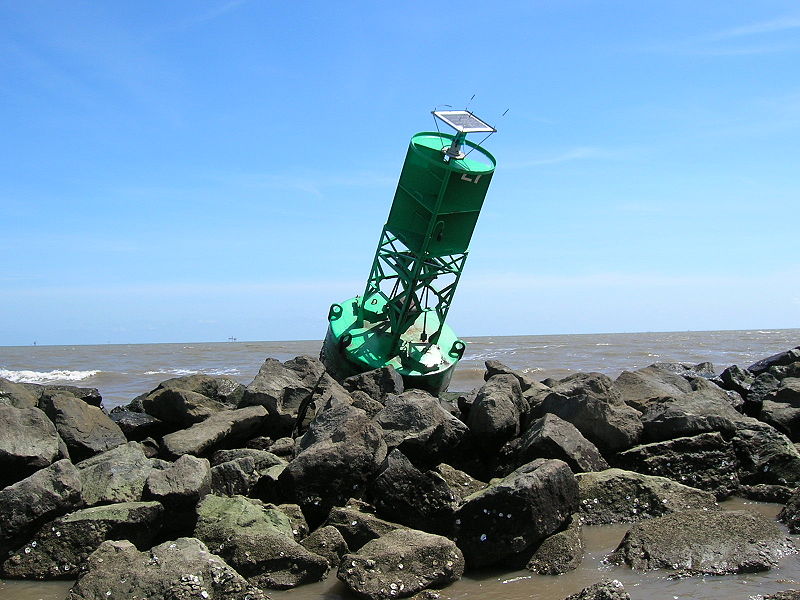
(400, 318)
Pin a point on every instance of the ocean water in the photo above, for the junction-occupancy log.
(123, 371)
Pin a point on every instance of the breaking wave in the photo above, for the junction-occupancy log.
(46, 376)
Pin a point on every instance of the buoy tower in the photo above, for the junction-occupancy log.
(399, 320)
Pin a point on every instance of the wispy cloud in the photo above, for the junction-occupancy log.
(763, 37)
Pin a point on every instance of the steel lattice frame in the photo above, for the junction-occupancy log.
(414, 277)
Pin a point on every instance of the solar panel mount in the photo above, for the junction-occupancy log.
(463, 121)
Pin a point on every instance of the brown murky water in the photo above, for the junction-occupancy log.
(522, 585)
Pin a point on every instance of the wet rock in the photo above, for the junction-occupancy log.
(179, 488)
(328, 543)
(27, 504)
(223, 428)
(60, 547)
(765, 455)
(401, 563)
(178, 570)
(790, 514)
(416, 424)
(29, 442)
(706, 462)
(762, 492)
(358, 525)
(552, 437)
(17, 395)
(138, 425)
(339, 453)
(418, 500)
(86, 429)
(298, 521)
(515, 512)
(559, 553)
(737, 379)
(378, 384)
(258, 542)
(780, 359)
(784, 595)
(603, 590)
(709, 542)
(461, 484)
(789, 391)
(591, 403)
(117, 475)
(617, 496)
(234, 477)
(494, 417)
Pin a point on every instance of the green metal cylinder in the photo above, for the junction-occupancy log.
(437, 202)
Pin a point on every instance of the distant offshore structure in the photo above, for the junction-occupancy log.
(400, 318)
(232, 339)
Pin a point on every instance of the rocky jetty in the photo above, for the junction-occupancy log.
(204, 487)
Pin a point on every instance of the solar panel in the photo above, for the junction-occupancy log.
(463, 121)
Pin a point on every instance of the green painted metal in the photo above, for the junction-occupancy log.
(400, 318)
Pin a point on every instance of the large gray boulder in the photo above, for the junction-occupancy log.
(378, 384)
(358, 524)
(29, 442)
(495, 415)
(339, 454)
(117, 475)
(559, 553)
(639, 388)
(234, 477)
(780, 359)
(617, 496)
(60, 547)
(417, 424)
(516, 512)
(224, 427)
(400, 564)
(783, 416)
(553, 437)
(179, 488)
(461, 484)
(182, 401)
(17, 395)
(705, 542)
(86, 429)
(327, 542)
(177, 570)
(418, 500)
(25, 505)
(689, 414)
(138, 425)
(592, 404)
(790, 514)
(706, 461)
(765, 455)
(257, 541)
(602, 590)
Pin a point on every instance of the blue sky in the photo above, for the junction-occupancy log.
(194, 170)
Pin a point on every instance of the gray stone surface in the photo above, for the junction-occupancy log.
(358, 525)
(602, 590)
(224, 427)
(328, 543)
(182, 569)
(28, 442)
(117, 475)
(559, 553)
(378, 384)
(495, 415)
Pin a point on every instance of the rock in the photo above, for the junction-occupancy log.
(703, 369)
(782, 358)
(526, 382)
(763, 387)
(705, 542)
(296, 518)
(413, 498)
(688, 415)
(603, 590)
(179, 488)
(29, 442)
(401, 563)
(617, 496)
(222, 428)
(328, 543)
(416, 424)
(178, 570)
(27, 504)
(765, 455)
(552, 437)
(737, 379)
(762, 492)
(639, 388)
(138, 425)
(378, 384)
(357, 525)
(17, 395)
(516, 512)
(790, 514)
(86, 429)
(117, 475)
(88, 395)
(785, 595)
(327, 394)
(262, 459)
(339, 453)
(234, 477)
(284, 447)
(364, 402)
(494, 417)
(179, 407)
(60, 547)
(257, 541)
(789, 391)
(782, 416)
(461, 484)
(559, 553)
(597, 411)
(705, 461)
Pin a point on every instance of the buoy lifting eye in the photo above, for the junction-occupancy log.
(335, 312)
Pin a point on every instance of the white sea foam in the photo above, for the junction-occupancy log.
(46, 376)
(185, 372)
